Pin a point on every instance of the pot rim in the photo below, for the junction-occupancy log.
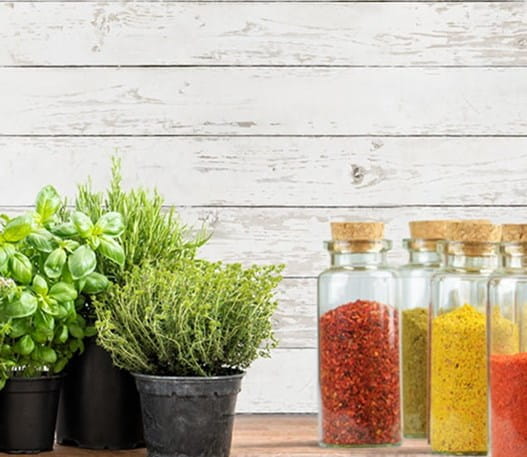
(37, 378)
(188, 379)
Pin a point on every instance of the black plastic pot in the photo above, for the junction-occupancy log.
(99, 406)
(28, 413)
(188, 417)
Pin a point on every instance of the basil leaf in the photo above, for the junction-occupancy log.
(50, 306)
(65, 229)
(44, 355)
(60, 365)
(111, 224)
(19, 327)
(112, 250)
(54, 264)
(48, 203)
(44, 324)
(40, 286)
(70, 245)
(61, 336)
(41, 240)
(95, 283)
(82, 223)
(76, 331)
(63, 292)
(82, 262)
(21, 268)
(25, 345)
(18, 228)
(25, 306)
(6, 252)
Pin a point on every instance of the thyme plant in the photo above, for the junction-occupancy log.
(189, 318)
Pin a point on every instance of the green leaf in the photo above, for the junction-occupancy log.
(40, 286)
(112, 250)
(25, 345)
(60, 365)
(95, 283)
(63, 292)
(41, 240)
(54, 264)
(25, 306)
(21, 268)
(18, 228)
(61, 336)
(76, 331)
(6, 251)
(45, 355)
(82, 262)
(70, 245)
(82, 223)
(65, 229)
(5, 351)
(40, 337)
(90, 331)
(48, 203)
(44, 323)
(50, 306)
(19, 327)
(111, 224)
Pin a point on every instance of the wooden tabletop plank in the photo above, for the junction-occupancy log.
(272, 436)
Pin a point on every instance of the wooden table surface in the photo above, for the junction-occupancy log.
(271, 436)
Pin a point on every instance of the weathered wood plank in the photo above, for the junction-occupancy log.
(284, 383)
(266, 101)
(288, 171)
(131, 33)
(294, 236)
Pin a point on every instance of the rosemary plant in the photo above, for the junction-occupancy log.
(189, 318)
(151, 234)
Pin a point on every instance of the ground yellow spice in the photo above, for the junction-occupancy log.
(414, 367)
(459, 378)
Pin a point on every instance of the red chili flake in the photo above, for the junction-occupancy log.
(359, 374)
(508, 383)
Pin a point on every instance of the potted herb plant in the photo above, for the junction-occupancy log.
(48, 266)
(102, 410)
(187, 330)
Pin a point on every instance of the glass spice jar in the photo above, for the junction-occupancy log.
(358, 334)
(458, 341)
(508, 346)
(414, 302)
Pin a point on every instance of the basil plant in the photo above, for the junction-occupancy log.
(48, 268)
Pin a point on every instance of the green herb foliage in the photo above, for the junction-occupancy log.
(48, 263)
(190, 318)
(152, 234)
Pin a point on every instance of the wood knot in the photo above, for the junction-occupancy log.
(357, 173)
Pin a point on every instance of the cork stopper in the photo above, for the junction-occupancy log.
(514, 233)
(357, 231)
(474, 232)
(478, 237)
(429, 230)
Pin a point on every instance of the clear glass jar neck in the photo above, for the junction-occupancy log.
(514, 256)
(423, 252)
(368, 259)
(472, 257)
(427, 258)
(358, 253)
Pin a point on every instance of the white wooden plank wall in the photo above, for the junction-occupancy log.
(268, 119)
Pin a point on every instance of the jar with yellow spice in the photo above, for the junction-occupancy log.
(414, 303)
(458, 340)
(508, 346)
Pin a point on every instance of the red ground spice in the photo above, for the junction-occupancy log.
(508, 383)
(359, 374)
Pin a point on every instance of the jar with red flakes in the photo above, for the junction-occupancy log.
(358, 340)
